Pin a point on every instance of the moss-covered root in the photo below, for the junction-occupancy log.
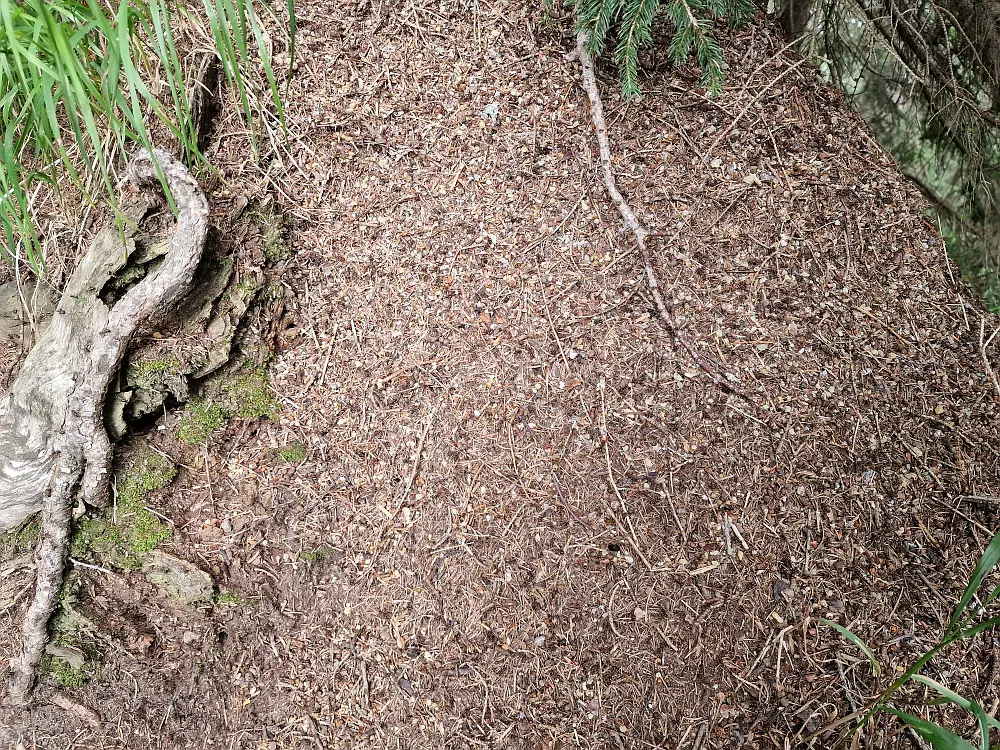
(244, 394)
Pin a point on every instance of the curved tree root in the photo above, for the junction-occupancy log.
(53, 444)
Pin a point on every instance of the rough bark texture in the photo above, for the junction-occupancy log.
(793, 15)
(23, 308)
(53, 444)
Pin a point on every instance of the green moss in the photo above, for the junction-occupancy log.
(249, 286)
(272, 232)
(249, 394)
(145, 373)
(258, 356)
(273, 290)
(124, 535)
(68, 625)
(317, 555)
(228, 598)
(70, 630)
(20, 540)
(129, 277)
(201, 419)
(95, 537)
(65, 674)
(145, 471)
(243, 393)
(293, 454)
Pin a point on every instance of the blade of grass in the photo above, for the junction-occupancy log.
(986, 564)
(290, 6)
(856, 641)
(939, 737)
(265, 59)
(985, 720)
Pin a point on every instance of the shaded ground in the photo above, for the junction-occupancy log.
(522, 518)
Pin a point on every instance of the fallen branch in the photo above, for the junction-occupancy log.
(53, 443)
(625, 210)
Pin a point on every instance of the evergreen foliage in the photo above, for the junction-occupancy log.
(630, 24)
(926, 77)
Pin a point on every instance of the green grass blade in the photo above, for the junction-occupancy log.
(159, 30)
(292, 29)
(16, 206)
(973, 630)
(75, 90)
(939, 737)
(236, 21)
(985, 720)
(856, 641)
(231, 61)
(81, 94)
(265, 59)
(986, 564)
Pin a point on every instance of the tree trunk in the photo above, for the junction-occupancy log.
(793, 15)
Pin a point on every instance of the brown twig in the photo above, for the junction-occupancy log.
(628, 533)
(982, 352)
(760, 95)
(625, 210)
(405, 494)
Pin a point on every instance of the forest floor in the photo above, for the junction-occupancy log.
(497, 506)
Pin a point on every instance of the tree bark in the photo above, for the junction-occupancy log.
(57, 400)
(793, 15)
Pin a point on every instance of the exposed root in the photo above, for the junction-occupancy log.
(57, 517)
(628, 215)
(53, 444)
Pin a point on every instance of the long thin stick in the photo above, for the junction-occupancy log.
(628, 215)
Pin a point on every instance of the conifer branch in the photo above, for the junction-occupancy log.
(630, 22)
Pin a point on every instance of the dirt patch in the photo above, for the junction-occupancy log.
(495, 505)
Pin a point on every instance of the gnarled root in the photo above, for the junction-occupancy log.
(53, 444)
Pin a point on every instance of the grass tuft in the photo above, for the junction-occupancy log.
(76, 89)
